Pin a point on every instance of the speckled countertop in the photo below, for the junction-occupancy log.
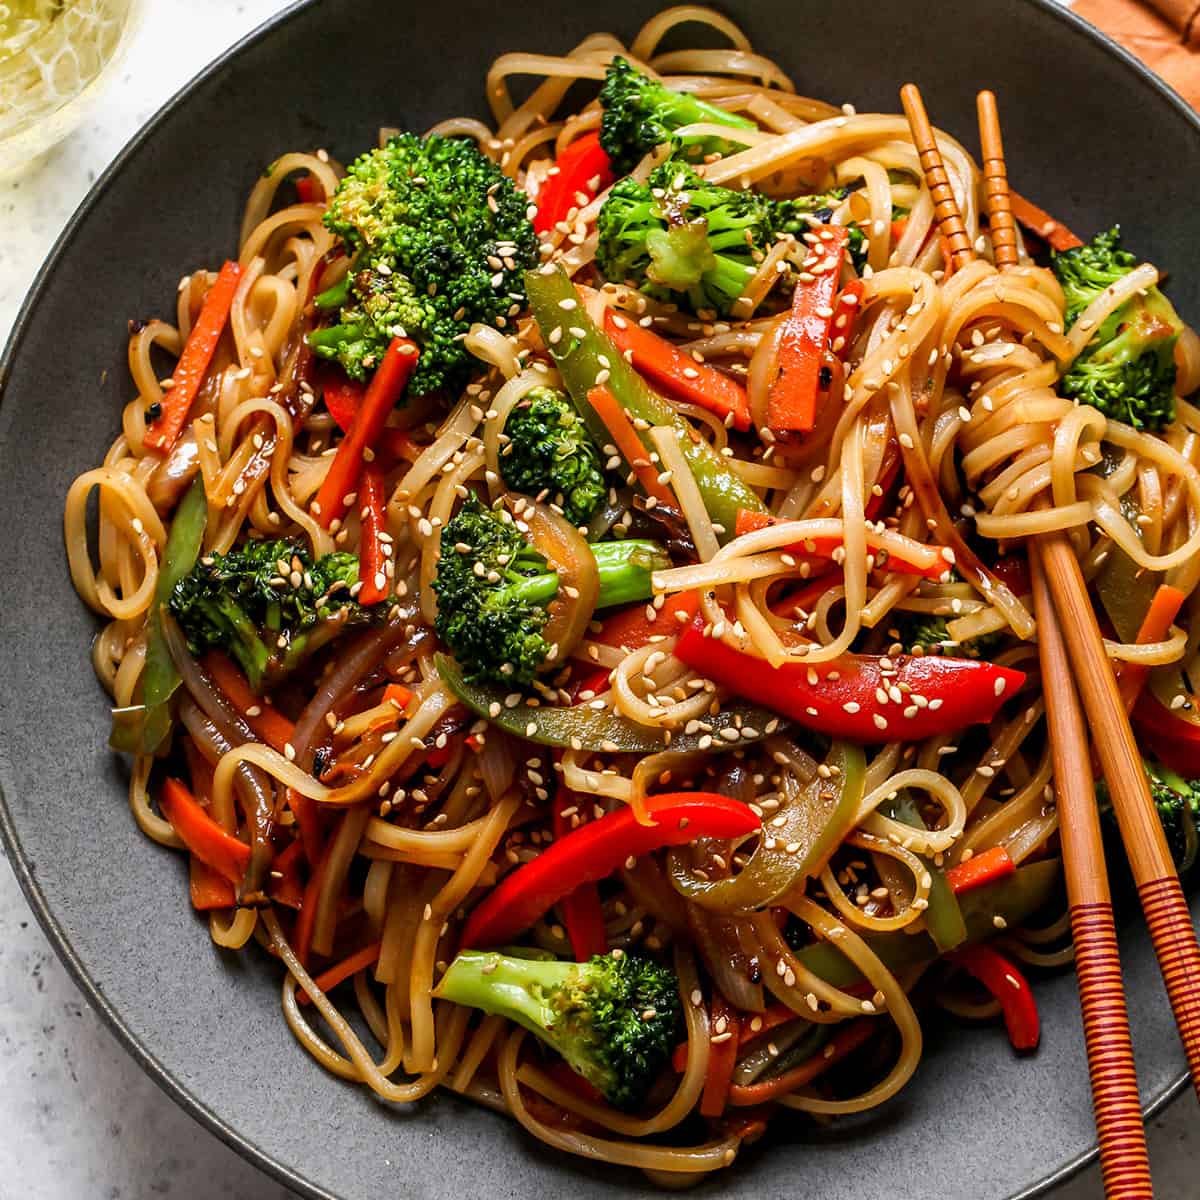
(79, 1120)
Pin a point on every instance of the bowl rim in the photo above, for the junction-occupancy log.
(38, 903)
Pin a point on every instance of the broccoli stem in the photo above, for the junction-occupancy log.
(508, 987)
(335, 296)
(251, 652)
(332, 336)
(676, 109)
(624, 568)
(533, 589)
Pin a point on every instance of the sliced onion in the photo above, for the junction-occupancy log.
(720, 949)
(353, 665)
(567, 552)
(498, 763)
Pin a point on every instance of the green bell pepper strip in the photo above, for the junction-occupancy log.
(145, 735)
(813, 827)
(600, 731)
(943, 918)
(1015, 899)
(578, 349)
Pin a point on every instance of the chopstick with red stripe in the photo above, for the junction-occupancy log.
(1124, 1162)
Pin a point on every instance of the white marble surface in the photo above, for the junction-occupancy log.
(79, 1119)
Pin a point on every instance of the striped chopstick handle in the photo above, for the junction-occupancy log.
(998, 206)
(1118, 1110)
(1002, 230)
(1170, 925)
(945, 208)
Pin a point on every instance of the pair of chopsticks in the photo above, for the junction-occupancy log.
(1067, 625)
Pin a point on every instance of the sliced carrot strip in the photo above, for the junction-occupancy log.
(339, 973)
(626, 439)
(192, 366)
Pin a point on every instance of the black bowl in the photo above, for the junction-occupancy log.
(1090, 134)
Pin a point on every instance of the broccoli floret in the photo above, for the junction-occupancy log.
(677, 238)
(615, 1019)
(1177, 801)
(639, 113)
(550, 450)
(492, 595)
(932, 633)
(441, 239)
(796, 214)
(1127, 370)
(247, 603)
(380, 304)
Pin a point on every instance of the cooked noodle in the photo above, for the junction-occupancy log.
(942, 427)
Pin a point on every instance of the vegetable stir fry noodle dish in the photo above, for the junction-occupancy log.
(567, 595)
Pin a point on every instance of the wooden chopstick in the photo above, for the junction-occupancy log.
(945, 207)
(1124, 1162)
(1001, 224)
(1106, 1025)
(1163, 904)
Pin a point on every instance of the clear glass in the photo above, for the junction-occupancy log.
(54, 56)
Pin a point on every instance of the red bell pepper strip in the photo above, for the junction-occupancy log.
(845, 316)
(903, 555)
(1013, 571)
(677, 373)
(988, 867)
(722, 1057)
(889, 470)
(385, 389)
(372, 553)
(343, 398)
(306, 190)
(207, 887)
(792, 399)
(266, 721)
(397, 694)
(310, 822)
(582, 168)
(581, 911)
(226, 854)
(1156, 624)
(1039, 221)
(286, 886)
(632, 628)
(845, 1041)
(161, 433)
(625, 437)
(368, 956)
(839, 698)
(567, 1078)
(1009, 987)
(770, 1018)
(302, 935)
(1173, 739)
(596, 850)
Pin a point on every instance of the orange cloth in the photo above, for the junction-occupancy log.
(1164, 34)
